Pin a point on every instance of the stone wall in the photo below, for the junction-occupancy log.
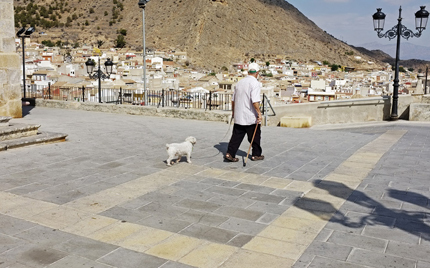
(10, 88)
(195, 114)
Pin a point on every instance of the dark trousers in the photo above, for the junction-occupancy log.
(237, 136)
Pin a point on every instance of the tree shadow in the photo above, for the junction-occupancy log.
(409, 221)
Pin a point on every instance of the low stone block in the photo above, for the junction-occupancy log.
(419, 112)
(296, 122)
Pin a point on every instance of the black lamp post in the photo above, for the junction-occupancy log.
(99, 74)
(142, 5)
(23, 33)
(398, 31)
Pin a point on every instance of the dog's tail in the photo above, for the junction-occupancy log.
(167, 146)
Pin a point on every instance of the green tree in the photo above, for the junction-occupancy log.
(252, 60)
(224, 69)
(123, 32)
(334, 67)
(410, 69)
(91, 10)
(120, 41)
(267, 64)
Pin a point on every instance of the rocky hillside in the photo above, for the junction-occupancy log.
(215, 33)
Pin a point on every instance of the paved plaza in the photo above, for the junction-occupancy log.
(350, 196)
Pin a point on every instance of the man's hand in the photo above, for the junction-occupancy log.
(259, 118)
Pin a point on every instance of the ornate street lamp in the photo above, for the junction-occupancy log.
(142, 5)
(398, 31)
(99, 74)
(23, 33)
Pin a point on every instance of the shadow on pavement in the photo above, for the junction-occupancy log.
(410, 221)
(26, 109)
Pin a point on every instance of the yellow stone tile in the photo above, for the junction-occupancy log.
(325, 197)
(359, 172)
(175, 247)
(355, 164)
(60, 217)
(98, 202)
(186, 169)
(277, 183)
(116, 232)
(300, 186)
(365, 157)
(145, 239)
(307, 214)
(289, 235)
(255, 179)
(274, 247)
(341, 178)
(11, 201)
(32, 208)
(209, 255)
(250, 259)
(90, 225)
(212, 172)
(305, 225)
(232, 176)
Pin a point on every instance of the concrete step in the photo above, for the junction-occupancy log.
(4, 121)
(16, 131)
(39, 138)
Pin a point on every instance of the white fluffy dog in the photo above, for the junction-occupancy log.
(180, 149)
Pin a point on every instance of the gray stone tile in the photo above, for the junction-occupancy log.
(192, 185)
(233, 201)
(358, 241)
(374, 259)
(130, 259)
(212, 234)
(198, 205)
(286, 193)
(161, 209)
(320, 262)
(165, 223)
(263, 197)
(391, 233)
(240, 213)
(226, 191)
(12, 226)
(8, 242)
(157, 197)
(268, 207)
(315, 205)
(84, 247)
(422, 264)
(77, 262)
(205, 218)
(405, 250)
(33, 255)
(192, 194)
(125, 214)
(254, 188)
(172, 264)
(324, 235)
(329, 250)
(243, 226)
(44, 236)
(267, 218)
(240, 240)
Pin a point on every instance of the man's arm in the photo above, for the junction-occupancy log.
(257, 108)
(232, 109)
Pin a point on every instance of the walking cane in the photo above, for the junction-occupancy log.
(252, 140)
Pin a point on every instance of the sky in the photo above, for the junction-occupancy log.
(351, 20)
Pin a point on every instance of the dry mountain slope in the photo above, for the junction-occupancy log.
(213, 32)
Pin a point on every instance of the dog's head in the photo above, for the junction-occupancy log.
(191, 140)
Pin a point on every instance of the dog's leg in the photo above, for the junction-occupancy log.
(179, 158)
(189, 158)
(169, 161)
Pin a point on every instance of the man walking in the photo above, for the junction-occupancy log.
(247, 116)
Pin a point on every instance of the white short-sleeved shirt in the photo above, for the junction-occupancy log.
(246, 92)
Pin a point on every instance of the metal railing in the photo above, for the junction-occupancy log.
(159, 98)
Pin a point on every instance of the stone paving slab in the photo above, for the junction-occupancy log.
(108, 200)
